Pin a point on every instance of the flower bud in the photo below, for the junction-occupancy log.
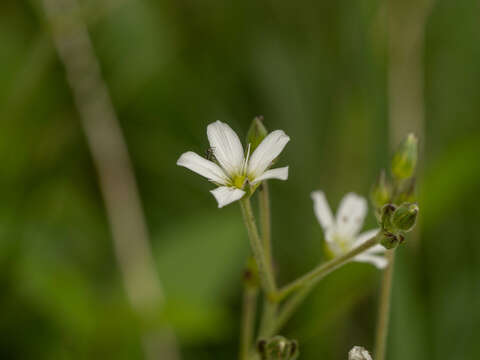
(381, 192)
(405, 217)
(278, 348)
(386, 217)
(256, 133)
(359, 353)
(405, 159)
(391, 240)
(391, 237)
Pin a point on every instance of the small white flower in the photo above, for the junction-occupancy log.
(234, 170)
(342, 233)
(359, 353)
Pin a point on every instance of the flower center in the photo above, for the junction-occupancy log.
(238, 181)
(340, 244)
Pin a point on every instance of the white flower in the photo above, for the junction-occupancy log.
(342, 233)
(359, 353)
(234, 170)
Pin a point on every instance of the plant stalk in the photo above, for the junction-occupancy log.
(289, 309)
(264, 272)
(384, 307)
(269, 307)
(312, 277)
(265, 223)
(249, 308)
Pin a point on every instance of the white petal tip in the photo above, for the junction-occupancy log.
(227, 195)
(322, 210)
(202, 166)
(279, 173)
(378, 261)
(316, 194)
(181, 159)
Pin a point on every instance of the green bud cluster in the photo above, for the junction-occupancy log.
(278, 348)
(394, 200)
(396, 221)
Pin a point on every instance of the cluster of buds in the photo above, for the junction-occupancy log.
(278, 348)
(396, 221)
(394, 201)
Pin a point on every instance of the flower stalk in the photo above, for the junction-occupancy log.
(249, 308)
(323, 270)
(384, 308)
(264, 272)
(269, 307)
(265, 222)
(291, 305)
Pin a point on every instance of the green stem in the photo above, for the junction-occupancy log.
(248, 320)
(266, 276)
(323, 270)
(269, 307)
(265, 223)
(268, 318)
(289, 309)
(384, 308)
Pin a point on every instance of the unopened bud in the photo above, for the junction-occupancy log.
(405, 159)
(381, 192)
(391, 240)
(391, 237)
(256, 133)
(359, 353)
(386, 217)
(405, 217)
(278, 348)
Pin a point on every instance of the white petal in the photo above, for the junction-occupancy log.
(377, 260)
(226, 147)
(365, 236)
(279, 173)
(350, 214)
(331, 237)
(266, 152)
(226, 195)
(376, 250)
(203, 167)
(322, 210)
(359, 353)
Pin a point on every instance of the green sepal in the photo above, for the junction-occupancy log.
(256, 133)
(381, 191)
(405, 158)
(391, 240)
(405, 217)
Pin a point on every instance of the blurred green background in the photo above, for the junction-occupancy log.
(316, 69)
